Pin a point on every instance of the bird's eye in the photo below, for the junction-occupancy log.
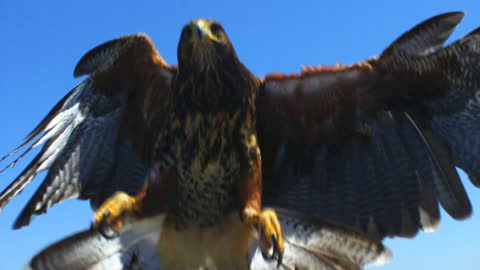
(215, 28)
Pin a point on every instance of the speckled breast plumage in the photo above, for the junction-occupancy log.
(208, 167)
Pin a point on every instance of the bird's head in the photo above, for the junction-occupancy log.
(204, 46)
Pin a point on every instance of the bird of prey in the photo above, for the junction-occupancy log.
(372, 146)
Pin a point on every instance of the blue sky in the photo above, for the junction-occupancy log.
(43, 40)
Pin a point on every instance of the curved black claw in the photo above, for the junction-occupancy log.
(266, 256)
(276, 253)
(105, 229)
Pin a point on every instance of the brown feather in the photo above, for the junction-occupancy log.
(320, 128)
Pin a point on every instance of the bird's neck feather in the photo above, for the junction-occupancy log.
(222, 88)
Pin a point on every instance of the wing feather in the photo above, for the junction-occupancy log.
(63, 110)
(374, 145)
(133, 249)
(427, 36)
(95, 137)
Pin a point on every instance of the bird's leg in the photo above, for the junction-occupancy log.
(109, 217)
(270, 232)
(266, 220)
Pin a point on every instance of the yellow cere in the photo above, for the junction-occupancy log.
(205, 28)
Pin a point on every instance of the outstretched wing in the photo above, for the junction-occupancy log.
(309, 244)
(97, 138)
(375, 145)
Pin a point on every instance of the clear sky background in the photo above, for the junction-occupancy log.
(41, 41)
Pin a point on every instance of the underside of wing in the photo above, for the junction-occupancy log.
(310, 244)
(134, 248)
(375, 145)
(97, 139)
(318, 244)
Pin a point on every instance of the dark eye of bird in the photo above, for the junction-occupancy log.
(215, 28)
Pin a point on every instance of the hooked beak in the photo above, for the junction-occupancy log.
(201, 31)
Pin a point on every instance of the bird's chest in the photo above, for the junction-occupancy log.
(207, 161)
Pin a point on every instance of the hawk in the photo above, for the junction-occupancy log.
(372, 146)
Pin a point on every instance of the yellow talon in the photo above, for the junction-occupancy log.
(110, 215)
(270, 232)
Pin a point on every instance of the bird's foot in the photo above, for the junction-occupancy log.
(270, 232)
(109, 217)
